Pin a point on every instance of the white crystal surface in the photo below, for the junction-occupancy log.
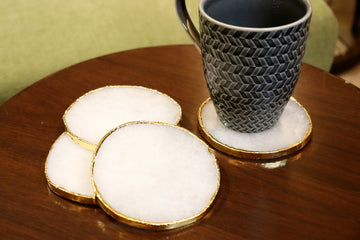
(156, 173)
(99, 111)
(69, 166)
(290, 129)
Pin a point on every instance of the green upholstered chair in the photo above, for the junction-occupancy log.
(39, 37)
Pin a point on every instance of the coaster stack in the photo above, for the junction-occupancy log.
(122, 151)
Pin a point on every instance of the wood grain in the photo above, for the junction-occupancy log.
(313, 194)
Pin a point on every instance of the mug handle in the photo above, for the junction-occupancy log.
(186, 22)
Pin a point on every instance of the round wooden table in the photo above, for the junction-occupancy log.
(313, 194)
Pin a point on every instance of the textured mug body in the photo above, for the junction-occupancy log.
(251, 72)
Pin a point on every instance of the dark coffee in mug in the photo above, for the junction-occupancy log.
(255, 13)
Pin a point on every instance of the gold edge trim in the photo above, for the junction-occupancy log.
(76, 197)
(255, 154)
(59, 190)
(146, 224)
(92, 146)
(81, 142)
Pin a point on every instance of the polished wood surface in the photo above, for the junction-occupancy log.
(313, 194)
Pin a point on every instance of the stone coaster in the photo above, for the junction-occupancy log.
(68, 170)
(97, 112)
(154, 175)
(290, 134)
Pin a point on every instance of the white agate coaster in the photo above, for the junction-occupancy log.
(94, 114)
(68, 170)
(154, 175)
(291, 133)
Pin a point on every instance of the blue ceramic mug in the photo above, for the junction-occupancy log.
(252, 52)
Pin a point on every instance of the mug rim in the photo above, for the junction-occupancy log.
(254, 29)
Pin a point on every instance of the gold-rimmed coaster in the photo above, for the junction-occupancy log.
(98, 111)
(290, 134)
(68, 170)
(154, 176)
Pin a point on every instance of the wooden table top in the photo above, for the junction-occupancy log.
(313, 194)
